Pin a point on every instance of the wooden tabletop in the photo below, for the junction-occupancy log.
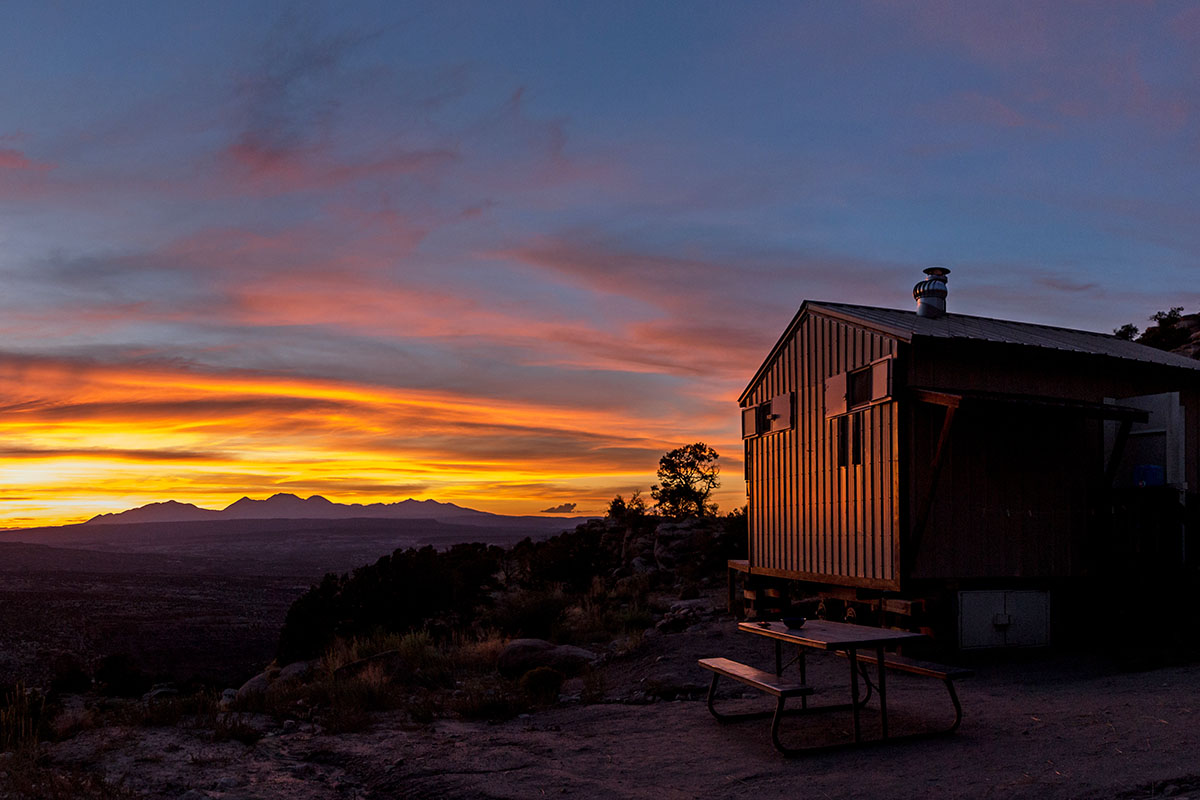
(826, 635)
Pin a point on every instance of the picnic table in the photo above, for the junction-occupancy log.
(862, 645)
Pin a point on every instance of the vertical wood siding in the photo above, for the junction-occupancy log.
(809, 517)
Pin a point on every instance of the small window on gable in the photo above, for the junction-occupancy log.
(858, 392)
(857, 388)
(770, 417)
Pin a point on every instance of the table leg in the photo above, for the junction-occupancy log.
(803, 675)
(853, 659)
(881, 682)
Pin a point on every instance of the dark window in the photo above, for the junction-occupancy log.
(842, 428)
(859, 389)
(856, 436)
(777, 414)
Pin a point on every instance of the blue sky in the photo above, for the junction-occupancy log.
(561, 235)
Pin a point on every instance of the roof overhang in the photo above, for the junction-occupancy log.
(1032, 402)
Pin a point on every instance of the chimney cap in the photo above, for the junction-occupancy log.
(930, 293)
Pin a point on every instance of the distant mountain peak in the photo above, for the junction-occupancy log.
(166, 511)
(284, 505)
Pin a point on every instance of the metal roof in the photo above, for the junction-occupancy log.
(906, 325)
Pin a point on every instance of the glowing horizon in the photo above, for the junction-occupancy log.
(134, 436)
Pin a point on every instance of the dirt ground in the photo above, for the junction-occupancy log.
(1038, 727)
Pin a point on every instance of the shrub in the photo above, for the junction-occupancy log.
(119, 676)
(68, 675)
(477, 655)
(488, 698)
(235, 727)
(25, 777)
(398, 593)
(541, 685)
(528, 612)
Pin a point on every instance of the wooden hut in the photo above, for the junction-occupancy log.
(902, 461)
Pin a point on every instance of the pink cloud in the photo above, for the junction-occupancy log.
(1001, 33)
(982, 109)
(258, 168)
(1186, 24)
(16, 160)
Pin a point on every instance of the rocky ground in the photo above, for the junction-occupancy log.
(1041, 726)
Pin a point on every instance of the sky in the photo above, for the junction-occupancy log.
(508, 254)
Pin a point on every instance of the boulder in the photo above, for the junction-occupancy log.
(257, 685)
(161, 691)
(296, 671)
(678, 543)
(637, 544)
(643, 566)
(521, 655)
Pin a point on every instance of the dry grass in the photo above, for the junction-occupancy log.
(19, 718)
(24, 776)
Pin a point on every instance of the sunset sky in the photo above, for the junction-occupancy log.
(506, 254)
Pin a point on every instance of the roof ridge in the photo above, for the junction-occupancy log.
(951, 315)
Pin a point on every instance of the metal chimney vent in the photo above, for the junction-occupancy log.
(930, 293)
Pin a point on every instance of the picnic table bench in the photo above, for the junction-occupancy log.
(946, 674)
(762, 680)
(847, 641)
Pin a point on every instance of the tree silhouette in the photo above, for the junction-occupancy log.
(687, 476)
(1172, 329)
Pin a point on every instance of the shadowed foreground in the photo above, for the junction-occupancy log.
(1058, 728)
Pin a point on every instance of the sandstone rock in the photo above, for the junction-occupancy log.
(296, 671)
(521, 655)
(258, 684)
(701, 604)
(642, 566)
(678, 543)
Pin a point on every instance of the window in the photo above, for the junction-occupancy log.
(750, 422)
(850, 444)
(856, 438)
(770, 417)
(858, 392)
(847, 391)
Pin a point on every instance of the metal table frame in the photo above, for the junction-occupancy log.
(833, 636)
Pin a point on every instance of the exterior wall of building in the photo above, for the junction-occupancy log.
(818, 512)
(1022, 491)
(1016, 496)
(1021, 496)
